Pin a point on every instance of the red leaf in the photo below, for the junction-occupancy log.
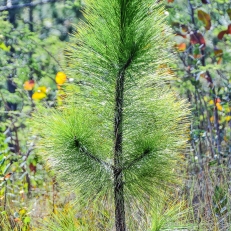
(197, 38)
(229, 29)
(217, 100)
(222, 33)
(7, 176)
(32, 167)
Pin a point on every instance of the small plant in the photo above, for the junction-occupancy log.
(72, 218)
(19, 221)
(171, 215)
(65, 220)
(120, 133)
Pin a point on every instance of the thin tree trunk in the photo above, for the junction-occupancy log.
(119, 201)
(118, 156)
(31, 26)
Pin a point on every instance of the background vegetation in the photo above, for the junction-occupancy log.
(32, 38)
(203, 45)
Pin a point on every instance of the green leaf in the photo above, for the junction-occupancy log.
(27, 220)
(2, 161)
(229, 12)
(4, 47)
(6, 168)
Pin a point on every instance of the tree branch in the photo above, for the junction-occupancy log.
(84, 151)
(145, 153)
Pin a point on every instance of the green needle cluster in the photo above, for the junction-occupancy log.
(121, 132)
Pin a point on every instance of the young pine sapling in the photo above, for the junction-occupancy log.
(119, 134)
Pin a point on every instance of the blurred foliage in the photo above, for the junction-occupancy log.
(31, 50)
(203, 44)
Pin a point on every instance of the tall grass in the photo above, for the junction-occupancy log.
(208, 192)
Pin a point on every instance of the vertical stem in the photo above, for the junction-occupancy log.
(118, 158)
(17, 145)
(5, 196)
(191, 12)
(54, 193)
(216, 124)
(29, 193)
(120, 223)
(31, 18)
(197, 113)
(29, 190)
(209, 127)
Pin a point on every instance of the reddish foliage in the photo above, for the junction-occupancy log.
(217, 100)
(7, 176)
(197, 38)
(32, 168)
(222, 33)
